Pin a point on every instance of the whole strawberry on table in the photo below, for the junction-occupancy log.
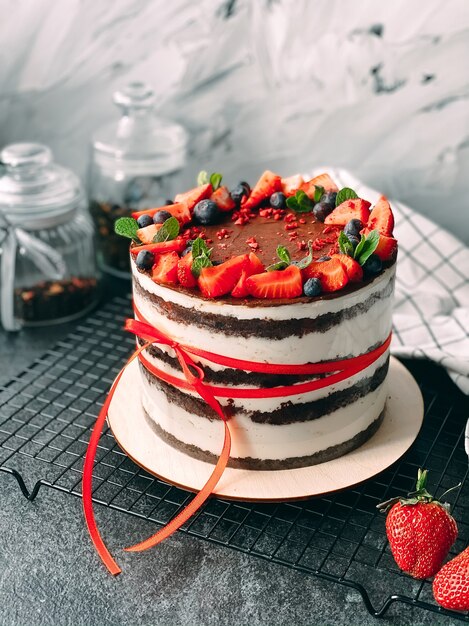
(420, 530)
(451, 584)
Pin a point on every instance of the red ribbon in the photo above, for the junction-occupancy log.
(193, 381)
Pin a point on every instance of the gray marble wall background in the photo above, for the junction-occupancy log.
(379, 88)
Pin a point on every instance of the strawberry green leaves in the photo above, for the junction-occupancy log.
(365, 248)
(168, 232)
(127, 227)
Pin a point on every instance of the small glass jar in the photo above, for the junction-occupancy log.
(47, 264)
(134, 166)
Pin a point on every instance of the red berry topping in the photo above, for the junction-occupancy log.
(178, 210)
(353, 268)
(176, 245)
(277, 284)
(185, 276)
(349, 210)
(165, 269)
(387, 247)
(253, 266)
(221, 279)
(146, 234)
(267, 184)
(325, 181)
(291, 184)
(222, 198)
(191, 197)
(331, 274)
(381, 217)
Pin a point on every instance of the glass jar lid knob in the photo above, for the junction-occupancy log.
(135, 96)
(20, 159)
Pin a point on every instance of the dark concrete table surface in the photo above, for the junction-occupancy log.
(50, 575)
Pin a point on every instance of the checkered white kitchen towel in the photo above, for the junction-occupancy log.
(431, 310)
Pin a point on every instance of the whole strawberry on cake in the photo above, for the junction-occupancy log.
(285, 273)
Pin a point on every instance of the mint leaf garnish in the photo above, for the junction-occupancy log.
(200, 256)
(300, 203)
(127, 227)
(168, 232)
(199, 263)
(202, 178)
(303, 264)
(281, 265)
(366, 247)
(318, 193)
(215, 180)
(345, 194)
(283, 254)
(285, 259)
(345, 245)
(200, 248)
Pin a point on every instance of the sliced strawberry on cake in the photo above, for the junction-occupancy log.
(191, 197)
(175, 245)
(221, 279)
(291, 184)
(331, 273)
(253, 266)
(276, 284)
(386, 248)
(223, 199)
(324, 181)
(184, 272)
(381, 218)
(357, 208)
(165, 268)
(178, 210)
(146, 234)
(267, 184)
(353, 268)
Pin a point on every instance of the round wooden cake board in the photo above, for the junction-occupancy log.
(402, 421)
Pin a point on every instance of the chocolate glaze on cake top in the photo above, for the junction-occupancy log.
(269, 233)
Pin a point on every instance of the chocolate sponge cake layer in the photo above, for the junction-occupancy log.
(287, 412)
(258, 328)
(250, 463)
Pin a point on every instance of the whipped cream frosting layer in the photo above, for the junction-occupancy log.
(269, 405)
(265, 441)
(364, 321)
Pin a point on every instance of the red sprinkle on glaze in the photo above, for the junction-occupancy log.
(301, 245)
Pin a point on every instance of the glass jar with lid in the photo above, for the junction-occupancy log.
(47, 263)
(134, 166)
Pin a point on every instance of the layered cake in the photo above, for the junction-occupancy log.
(288, 272)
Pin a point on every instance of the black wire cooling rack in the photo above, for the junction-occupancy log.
(47, 412)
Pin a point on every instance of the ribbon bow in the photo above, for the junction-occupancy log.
(194, 380)
(45, 258)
